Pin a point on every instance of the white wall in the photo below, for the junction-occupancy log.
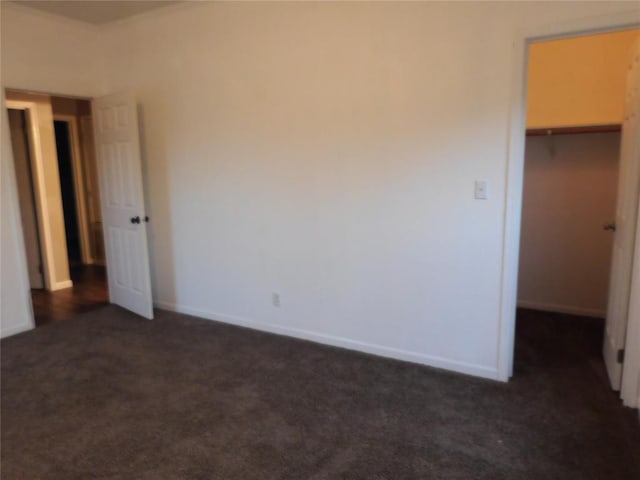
(327, 151)
(49, 54)
(570, 187)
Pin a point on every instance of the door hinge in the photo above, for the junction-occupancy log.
(620, 355)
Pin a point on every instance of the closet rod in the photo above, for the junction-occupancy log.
(534, 132)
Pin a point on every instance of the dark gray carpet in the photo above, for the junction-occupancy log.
(110, 396)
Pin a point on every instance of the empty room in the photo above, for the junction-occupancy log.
(319, 240)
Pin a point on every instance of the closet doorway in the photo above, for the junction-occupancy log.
(570, 300)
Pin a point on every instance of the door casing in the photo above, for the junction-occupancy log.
(41, 203)
(515, 171)
(26, 193)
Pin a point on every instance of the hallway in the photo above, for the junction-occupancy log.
(89, 291)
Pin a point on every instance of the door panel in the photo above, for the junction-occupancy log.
(626, 214)
(120, 178)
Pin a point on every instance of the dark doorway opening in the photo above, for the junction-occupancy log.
(67, 186)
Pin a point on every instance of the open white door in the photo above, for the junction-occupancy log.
(123, 213)
(626, 214)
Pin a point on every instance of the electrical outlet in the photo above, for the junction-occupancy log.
(275, 299)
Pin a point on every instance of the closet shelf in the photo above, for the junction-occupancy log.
(535, 132)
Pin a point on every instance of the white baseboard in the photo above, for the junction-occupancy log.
(571, 310)
(7, 332)
(380, 350)
(61, 285)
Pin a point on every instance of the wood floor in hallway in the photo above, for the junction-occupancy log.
(89, 291)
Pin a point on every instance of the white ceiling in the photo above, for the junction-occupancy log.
(97, 12)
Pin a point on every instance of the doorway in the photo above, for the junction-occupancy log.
(52, 142)
(68, 189)
(568, 186)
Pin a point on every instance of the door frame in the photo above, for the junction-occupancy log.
(79, 185)
(515, 171)
(630, 387)
(37, 170)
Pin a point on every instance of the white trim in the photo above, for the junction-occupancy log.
(630, 382)
(79, 185)
(7, 332)
(571, 310)
(37, 169)
(62, 285)
(630, 386)
(515, 163)
(374, 349)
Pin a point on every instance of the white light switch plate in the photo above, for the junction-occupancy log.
(481, 191)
